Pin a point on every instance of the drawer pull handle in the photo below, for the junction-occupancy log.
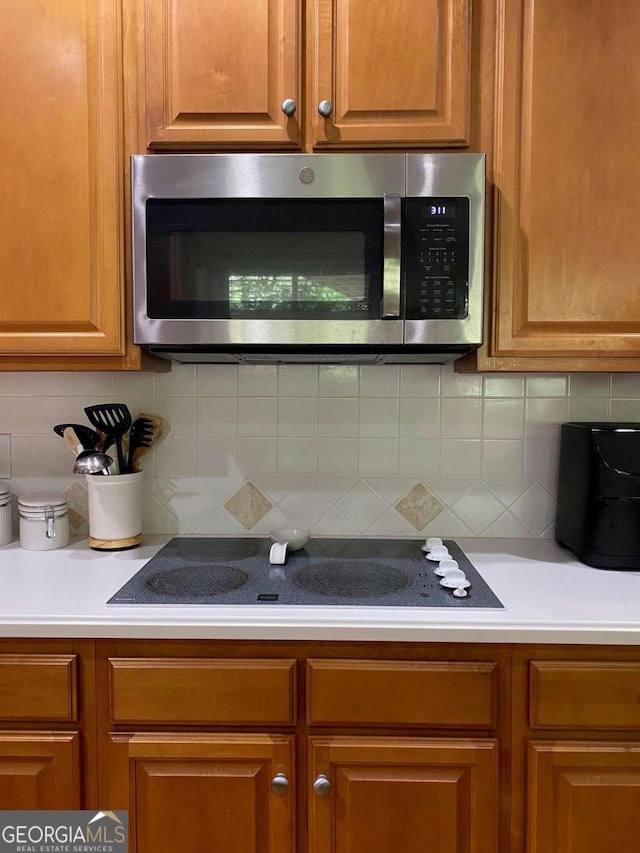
(322, 785)
(280, 784)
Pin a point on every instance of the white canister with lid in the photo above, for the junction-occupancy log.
(6, 520)
(44, 521)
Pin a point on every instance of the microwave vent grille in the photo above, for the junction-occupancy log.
(310, 358)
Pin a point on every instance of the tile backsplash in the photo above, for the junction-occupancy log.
(342, 450)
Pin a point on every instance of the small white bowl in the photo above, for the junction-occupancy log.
(293, 537)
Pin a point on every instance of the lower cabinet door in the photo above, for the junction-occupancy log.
(583, 797)
(387, 794)
(40, 770)
(197, 792)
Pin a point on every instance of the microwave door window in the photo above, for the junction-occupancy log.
(299, 266)
(271, 275)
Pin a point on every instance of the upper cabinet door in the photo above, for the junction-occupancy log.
(388, 73)
(567, 172)
(219, 73)
(61, 183)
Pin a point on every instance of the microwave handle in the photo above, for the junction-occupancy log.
(392, 243)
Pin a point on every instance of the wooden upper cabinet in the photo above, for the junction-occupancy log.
(394, 74)
(566, 170)
(61, 184)
(218, 73)
(230, 74)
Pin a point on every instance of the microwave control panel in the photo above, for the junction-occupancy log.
(436, 258)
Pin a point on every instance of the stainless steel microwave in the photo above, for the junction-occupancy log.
(326, 258)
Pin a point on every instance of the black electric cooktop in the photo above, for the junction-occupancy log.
(326, 572)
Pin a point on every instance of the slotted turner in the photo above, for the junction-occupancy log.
(141, 435)
(114, 419)
(159, 429)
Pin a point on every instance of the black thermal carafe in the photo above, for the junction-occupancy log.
(598, 511)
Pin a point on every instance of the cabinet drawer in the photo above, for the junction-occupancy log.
(38, 687)
(584, 694)
(439, 694)
(201, 690)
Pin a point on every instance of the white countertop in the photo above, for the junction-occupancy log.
(548, 597)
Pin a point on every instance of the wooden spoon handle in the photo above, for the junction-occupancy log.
(72, 441)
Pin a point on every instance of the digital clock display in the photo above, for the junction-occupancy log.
(443, 211)
(448, 210)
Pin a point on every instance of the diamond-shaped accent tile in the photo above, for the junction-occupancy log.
(535, 509)
(305, 505)
(448, 491)
(390, 524)
(248, 505)
(446, 524)
(478, 508)
(191, 504)
(508, 491)
(419, 506)
(507, 526)
(334, 524)
(334, 488)
(361, 506)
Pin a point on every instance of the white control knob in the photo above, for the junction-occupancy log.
(454, 578)
(431, 542)
(460, 592)
(443, 565)
(438, 552)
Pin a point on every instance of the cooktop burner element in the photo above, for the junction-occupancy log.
(350, 579)
(199, 581)
(326, 572)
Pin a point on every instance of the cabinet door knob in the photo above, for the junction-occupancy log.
(325, 108)
(280, 784)
(322, 785)
(288, 106)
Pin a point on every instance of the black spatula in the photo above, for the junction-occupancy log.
(114, 419)
(88, 437)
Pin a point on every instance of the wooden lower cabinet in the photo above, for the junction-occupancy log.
(47, 725)
(302, 747)
(583, 797)
(190, 792)
(237, 793)
(313, 747)
(408, 794)
(40, 770)
(576, 750)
